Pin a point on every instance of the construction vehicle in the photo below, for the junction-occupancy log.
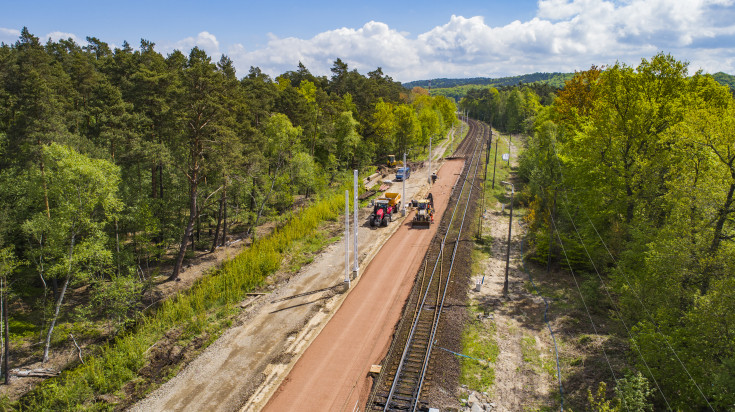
(392, 162)
(403, 173)
(384, 209)
(424, 213)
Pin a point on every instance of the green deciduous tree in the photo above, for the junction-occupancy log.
(83, 197)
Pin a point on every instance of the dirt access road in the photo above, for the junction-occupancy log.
(332, 375)
(245, 366)
(522, 370)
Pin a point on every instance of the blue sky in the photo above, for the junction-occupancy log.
(409, 40)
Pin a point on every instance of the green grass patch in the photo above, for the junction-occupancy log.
(532, 356)
(478, 341)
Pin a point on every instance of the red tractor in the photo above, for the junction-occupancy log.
(384, 209)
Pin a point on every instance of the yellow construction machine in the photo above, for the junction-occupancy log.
(392, 162)
(424, 213)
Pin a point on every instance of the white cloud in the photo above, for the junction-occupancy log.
(565, 35)
(9, 36)
(372, 45)
(204, 40)
(60, 35)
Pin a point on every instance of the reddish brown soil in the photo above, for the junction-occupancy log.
(332, 374)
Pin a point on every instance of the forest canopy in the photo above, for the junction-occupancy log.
(632, 169)
(115, 162)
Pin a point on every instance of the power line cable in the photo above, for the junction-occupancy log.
(586, 309)
(546, 320)
(653, 321)
(658, 330)
(615, 306)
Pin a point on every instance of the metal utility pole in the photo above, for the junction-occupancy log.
(403, 196)
(355, 267)
(429, 160)
(510, 227)
(495, 162)
(347, 238)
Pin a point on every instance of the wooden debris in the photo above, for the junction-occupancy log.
(34, 373)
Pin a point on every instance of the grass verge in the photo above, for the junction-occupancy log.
(478, 341)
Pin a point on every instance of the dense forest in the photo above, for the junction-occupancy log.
(630, 181)
(509, 109)
(116, 163)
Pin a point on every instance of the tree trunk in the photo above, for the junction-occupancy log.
(189, 228)
(224, 217)
(262, 205)
(199, 227)
(6, 333)
(219, 223)
(117, 246)
(58, 303)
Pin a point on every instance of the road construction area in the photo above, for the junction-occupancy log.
(249, 362)
(332, 375)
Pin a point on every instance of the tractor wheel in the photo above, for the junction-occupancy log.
(372, 222)
(385, 221)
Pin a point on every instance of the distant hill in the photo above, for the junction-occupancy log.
(554, 79)
(457, 88)
(726, 79)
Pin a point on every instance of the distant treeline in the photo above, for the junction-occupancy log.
(543, 83)
(555, 79)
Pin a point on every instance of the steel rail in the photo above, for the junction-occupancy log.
(441, 294)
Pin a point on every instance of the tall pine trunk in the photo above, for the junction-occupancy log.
(224, 217)
(215, 242)
(58, 302)
(193, 183)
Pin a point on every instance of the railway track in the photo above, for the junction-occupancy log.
(408, 369)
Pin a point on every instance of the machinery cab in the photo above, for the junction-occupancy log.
(381, 213)
(424, 212)
(403, 173)
(392, 162)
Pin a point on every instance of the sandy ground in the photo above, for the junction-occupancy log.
(245, 366)
(332, 375)
(520, 384)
